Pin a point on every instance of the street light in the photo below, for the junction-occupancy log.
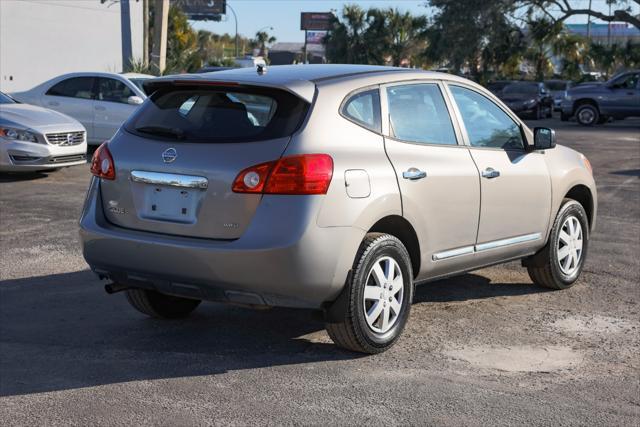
(235, 18)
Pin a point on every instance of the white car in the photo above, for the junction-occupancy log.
(100, 101)
(33, 138)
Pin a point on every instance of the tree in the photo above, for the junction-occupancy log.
(405, 35)
(541, 33)
(474, 34)
(261, 40)
(569, 8)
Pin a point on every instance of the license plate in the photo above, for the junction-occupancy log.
(170, 204)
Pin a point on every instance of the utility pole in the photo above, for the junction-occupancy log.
(589, 24)
(161, 22)
(145, 33)
(125, 30)
(609, 28)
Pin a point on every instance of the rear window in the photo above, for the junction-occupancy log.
(204, 114)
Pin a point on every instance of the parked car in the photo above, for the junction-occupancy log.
(497, 86)
(100, 101)
(358, 183)
(528, 98)
(34, 138)
(593, 103)
(558, 90)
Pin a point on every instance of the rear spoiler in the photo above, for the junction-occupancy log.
(303, 89)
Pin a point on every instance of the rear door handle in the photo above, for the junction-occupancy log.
(490, 173)
(414, 174)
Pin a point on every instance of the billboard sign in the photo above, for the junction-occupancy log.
(316, 21)
(202, 10)
(316, 37)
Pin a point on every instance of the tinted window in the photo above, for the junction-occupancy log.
(113, 90)
(627, 82)
(487, 125)
(203, 114)
(417, 113)
(528, 88)
(556, 85)
(364, 109)
(76, 87)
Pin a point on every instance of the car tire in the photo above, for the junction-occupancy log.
(537, 113)
(564, 117)
(160, 306)
(559, 264)
(378, 331)
(550, 113)
(587, 115)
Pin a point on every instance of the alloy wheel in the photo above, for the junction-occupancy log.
(383, 295)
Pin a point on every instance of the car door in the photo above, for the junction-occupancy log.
(623, 97)
(74, 97)
(438, 180)
(111, 106)
(515, 184)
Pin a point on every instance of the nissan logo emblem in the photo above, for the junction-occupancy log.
(169, 155)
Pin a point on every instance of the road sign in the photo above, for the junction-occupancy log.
(319, 21)
(202, 10)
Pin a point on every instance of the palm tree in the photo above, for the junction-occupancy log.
(542, 33)
(573, 50)
(405, 35)
(261, 40)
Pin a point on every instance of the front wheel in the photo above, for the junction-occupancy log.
(587, 115)
(380, 296)
(159, 305)
(559, 264)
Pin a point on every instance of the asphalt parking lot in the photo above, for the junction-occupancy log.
(484, 348)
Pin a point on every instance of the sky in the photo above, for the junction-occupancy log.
(284, 15)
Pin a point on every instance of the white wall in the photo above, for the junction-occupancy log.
(41, 39)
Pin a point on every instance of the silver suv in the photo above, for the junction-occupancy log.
(328, 187)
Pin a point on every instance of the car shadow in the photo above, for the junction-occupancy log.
(22, 176)
(470, 287)
(63, 332)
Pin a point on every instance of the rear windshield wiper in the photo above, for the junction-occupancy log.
(161, 130)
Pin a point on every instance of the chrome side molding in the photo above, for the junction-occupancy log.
(467, 250)
(508, 242)
(170, 179)
(452, 253)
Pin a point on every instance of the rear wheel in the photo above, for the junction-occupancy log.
(159, 305)
(380, 296)
(537, 113)
(559, 264)
(564, 117)
(587, 114)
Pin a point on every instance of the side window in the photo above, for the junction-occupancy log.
(112, 90)
(487, 125)
(418, 113)
(364, 109)
(75, 87)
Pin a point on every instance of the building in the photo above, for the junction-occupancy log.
(43, 39)
(618, 32)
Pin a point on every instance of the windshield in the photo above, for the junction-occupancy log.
(204, 114)
(6, 99)
(528, 88)
(556, 85)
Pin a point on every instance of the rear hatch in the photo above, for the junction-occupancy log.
(176, 159)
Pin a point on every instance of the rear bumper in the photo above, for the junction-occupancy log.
(282, 259)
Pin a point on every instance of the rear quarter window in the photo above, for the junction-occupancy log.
(205, 114)
(363, 108)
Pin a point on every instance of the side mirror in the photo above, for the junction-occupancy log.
(134, 100)
(543, 138)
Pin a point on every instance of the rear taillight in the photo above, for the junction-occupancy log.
(303, 174)
(102, 164)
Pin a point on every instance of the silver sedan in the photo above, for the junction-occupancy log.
(34, 138)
